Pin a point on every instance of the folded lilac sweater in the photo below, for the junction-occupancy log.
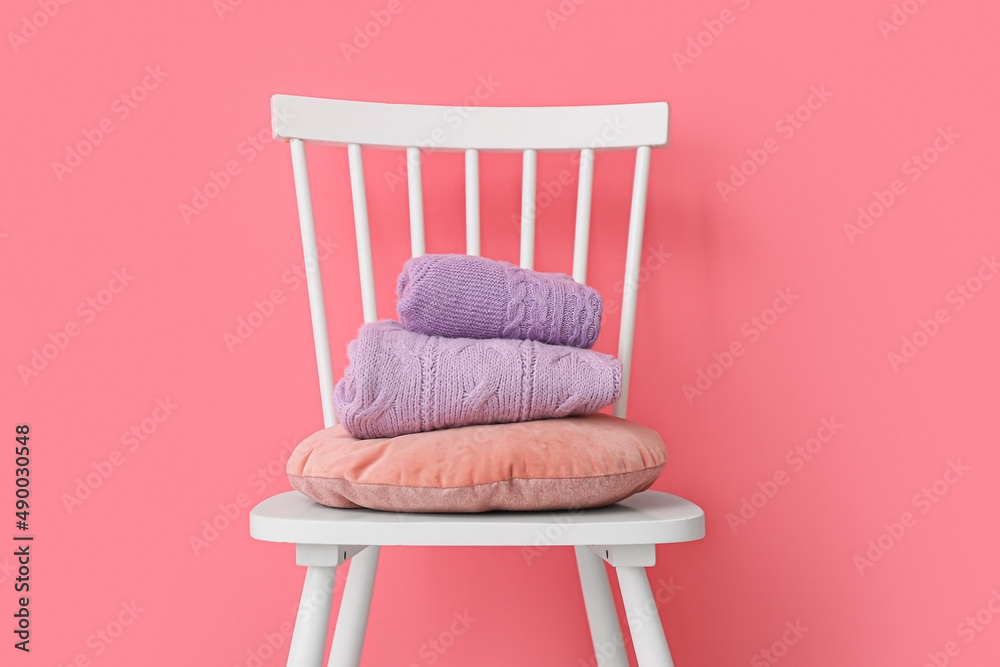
(400, 382)
(464, 296)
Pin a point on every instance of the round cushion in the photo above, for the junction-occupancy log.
(547, 464)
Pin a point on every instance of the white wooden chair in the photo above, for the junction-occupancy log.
(624, 534)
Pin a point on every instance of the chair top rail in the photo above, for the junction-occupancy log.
(342, 122)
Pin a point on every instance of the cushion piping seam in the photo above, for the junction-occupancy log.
(468, 486)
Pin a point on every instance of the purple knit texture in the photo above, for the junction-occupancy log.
(463, 296)
(401, 382)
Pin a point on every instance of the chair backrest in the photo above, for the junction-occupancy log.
(411, 127)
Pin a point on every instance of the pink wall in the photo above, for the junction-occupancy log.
(862, 421)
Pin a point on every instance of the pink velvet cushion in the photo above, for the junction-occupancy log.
(571, 462)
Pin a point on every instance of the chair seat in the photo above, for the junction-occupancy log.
(650, 517)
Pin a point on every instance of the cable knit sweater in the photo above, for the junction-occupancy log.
(475, 297)
(401, 382)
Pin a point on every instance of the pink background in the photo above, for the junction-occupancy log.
(125, 552)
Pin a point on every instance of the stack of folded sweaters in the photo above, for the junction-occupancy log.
(478, 342)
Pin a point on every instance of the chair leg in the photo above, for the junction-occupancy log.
(606, 632)
(313, 618)
(643, 618)
(349, 633)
